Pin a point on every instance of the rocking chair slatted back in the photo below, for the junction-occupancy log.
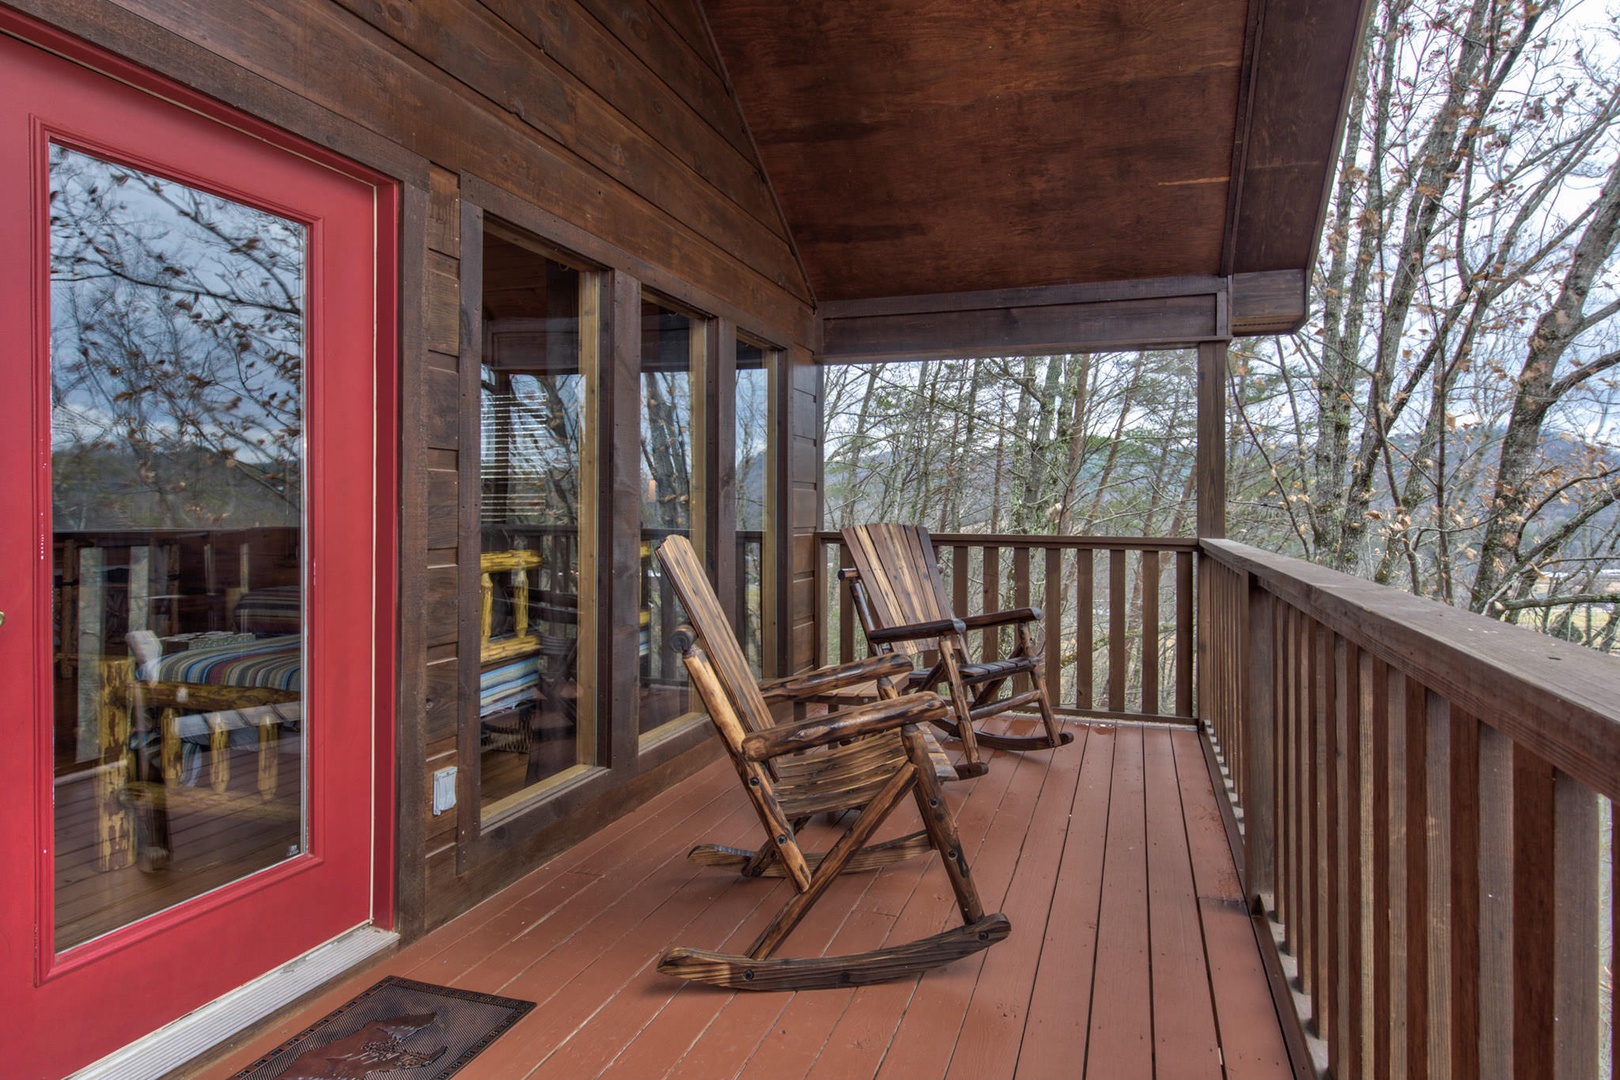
(735, 678)
(900, 578)
(905, 610)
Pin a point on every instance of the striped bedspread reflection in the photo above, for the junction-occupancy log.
(275, 663)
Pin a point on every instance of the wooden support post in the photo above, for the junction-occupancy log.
(1259, 803)
(1211, 464)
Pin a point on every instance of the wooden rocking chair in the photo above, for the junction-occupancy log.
(904, 610)
(866, 759)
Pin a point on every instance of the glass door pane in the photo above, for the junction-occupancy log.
(177, 477)
(532, 425)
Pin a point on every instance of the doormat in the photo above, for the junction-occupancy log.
(399, 1029)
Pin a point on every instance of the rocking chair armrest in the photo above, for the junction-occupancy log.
(1002, 618)
(842, 726)
(911, 631)
(835, 677)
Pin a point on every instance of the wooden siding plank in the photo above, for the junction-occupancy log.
(323, 56)
(720, 152)
(667, 42)
(701, 187)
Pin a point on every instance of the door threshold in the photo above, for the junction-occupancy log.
(197, 1032)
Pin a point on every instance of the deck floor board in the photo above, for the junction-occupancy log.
(1131, 952)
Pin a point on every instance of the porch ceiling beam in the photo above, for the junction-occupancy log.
(1148, 313)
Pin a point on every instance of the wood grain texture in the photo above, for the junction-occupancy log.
(841, 126)
(329, 58)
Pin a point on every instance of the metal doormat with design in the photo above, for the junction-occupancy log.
(400, 1028)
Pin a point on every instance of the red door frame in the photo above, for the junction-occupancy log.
(116, 974)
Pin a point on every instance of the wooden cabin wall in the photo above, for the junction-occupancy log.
(614, 121)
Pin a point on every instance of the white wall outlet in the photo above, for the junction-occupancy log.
(444, 790)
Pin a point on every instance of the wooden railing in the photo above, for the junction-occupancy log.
(1426, 798)
(1117, 613)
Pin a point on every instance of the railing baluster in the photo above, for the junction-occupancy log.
(1052, 625)
(1418, 876)
(1375, 861)
(1184, 633)
(1318, 648)
(1150, 631)
(1116, 630)
(1085, 612)
(960, 578)
(1021, 587)
(846, 614)
(1499, 811)
(1575, 921)
(1287, 722)
(1347, 724)
(1393, 763)
(1531, 854)
(1463, 960)
(823, 604)
(992, 600)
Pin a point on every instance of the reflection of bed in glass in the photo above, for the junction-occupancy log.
(527, 689)
(178, 713)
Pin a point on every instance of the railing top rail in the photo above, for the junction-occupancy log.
(1040, 540)
(1555, 698)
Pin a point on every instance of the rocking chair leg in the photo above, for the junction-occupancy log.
(1052, 731)
(941, 828)
(766, 855)
(959, 705)
(829, 868)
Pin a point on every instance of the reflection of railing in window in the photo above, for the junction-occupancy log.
(661, 615)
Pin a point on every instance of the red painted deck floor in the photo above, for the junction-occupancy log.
(1130, 955)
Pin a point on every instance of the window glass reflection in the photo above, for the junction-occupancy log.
(531, 424)
(669, 341)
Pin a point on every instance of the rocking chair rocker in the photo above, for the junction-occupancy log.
(866, 759)
(904, 610)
